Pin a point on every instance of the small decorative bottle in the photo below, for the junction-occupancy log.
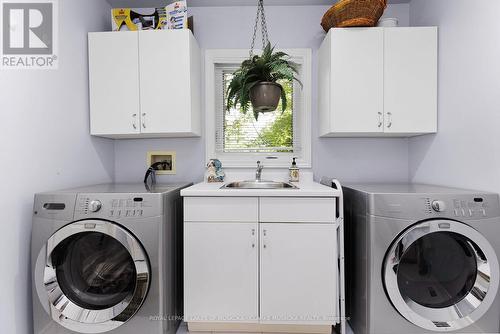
(294, 172)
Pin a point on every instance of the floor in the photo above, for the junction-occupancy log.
(184, 330)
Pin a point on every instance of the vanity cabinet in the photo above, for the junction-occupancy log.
(378, 82)
(245, 263)
(144, 84)
(221, 271)
(298, 273)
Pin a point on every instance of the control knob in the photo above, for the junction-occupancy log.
(95, 205)
(438, 206)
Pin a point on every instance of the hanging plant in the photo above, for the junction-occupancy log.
(256, 81)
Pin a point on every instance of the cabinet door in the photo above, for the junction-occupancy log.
(357, 80)
(165, 63)
(114, 83)
(221, 272)
(298, 273)
(410, 88)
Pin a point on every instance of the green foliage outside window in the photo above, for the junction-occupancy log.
(272, 132)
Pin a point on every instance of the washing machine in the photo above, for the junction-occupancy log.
(422, 259)
(107, 259)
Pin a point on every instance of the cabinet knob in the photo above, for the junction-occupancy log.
(134, 125)
(144, 120)
(380, 122)
(389, 119)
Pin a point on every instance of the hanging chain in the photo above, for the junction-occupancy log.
(255, 30)
(261, 15)
(265, 36)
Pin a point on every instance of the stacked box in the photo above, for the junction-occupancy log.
(173, 16)
(177, 16)
(133, 19)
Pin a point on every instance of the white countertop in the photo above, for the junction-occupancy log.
(306, 189)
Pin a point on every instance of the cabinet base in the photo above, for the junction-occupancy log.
(257, 328)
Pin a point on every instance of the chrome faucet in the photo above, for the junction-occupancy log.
(258, 172)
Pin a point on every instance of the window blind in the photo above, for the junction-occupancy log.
(273, 132)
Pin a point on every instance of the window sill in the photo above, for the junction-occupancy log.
(249, 160)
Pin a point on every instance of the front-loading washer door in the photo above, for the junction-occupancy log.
(96, 276)
(441, 275)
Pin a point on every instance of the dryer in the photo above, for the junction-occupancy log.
(107, 259)
(422, 259)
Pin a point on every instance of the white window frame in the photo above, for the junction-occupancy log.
(217, 57)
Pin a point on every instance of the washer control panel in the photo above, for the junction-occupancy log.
(424, 206)
(461, 207)
(117, 206)
(473, 207)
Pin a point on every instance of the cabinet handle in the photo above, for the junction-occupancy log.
(389, 119)
(380, 122)
(134, 125)
(264, 233)
(143, 120)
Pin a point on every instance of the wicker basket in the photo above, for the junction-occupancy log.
(353, 13)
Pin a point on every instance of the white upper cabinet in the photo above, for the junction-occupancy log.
(114, 83)
(378, 82)
(410, 80)
(351, 74)
(144, 84)
(170, 68)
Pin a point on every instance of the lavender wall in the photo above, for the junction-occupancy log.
(44, 146)
(465, 151)
(290, 27)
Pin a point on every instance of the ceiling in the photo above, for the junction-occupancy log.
(223, 3)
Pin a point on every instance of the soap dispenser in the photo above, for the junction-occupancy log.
(294, 172)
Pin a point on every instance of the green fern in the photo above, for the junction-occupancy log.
(270, 66)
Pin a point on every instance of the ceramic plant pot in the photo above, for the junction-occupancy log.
(265, 96)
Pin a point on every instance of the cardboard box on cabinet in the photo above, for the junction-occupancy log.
(133, 19)
(173, 16)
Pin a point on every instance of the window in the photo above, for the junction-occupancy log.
(272, 132)
(239, 140)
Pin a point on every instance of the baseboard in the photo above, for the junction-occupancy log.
(220, 327)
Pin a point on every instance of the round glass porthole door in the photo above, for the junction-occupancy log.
(441, 275)
(96, 276)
